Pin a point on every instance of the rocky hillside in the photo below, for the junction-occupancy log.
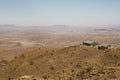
(71, 63)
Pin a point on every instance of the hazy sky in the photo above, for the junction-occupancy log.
(52, 12)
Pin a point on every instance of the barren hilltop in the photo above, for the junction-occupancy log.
(71, 63)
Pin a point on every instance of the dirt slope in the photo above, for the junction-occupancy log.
(70, 63)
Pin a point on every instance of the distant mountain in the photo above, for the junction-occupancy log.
(4, 29)
(57, 28)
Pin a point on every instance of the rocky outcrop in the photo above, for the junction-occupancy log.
(71, 63)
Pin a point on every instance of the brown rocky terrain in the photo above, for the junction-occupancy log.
(70, 63)
(44, 53)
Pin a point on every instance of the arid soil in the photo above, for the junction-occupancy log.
(71, 63)
(15, 40)
(55, 53)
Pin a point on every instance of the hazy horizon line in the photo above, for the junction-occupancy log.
(58, 25)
